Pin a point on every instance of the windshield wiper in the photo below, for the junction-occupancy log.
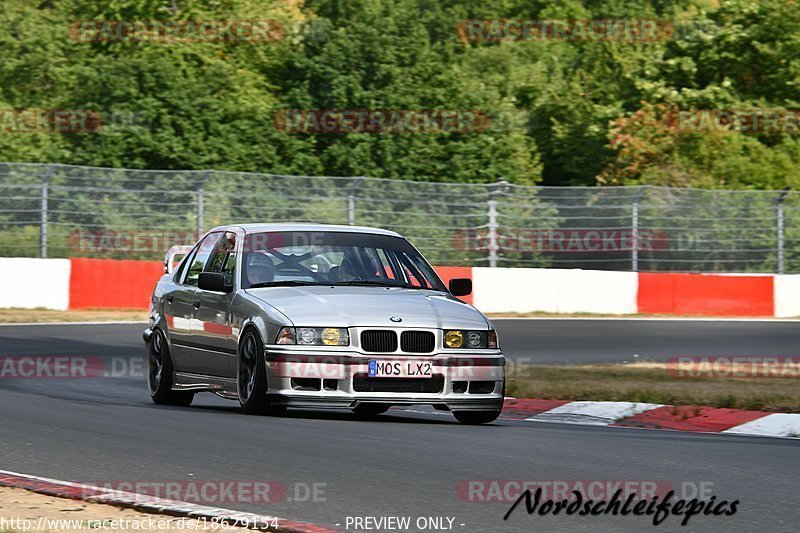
(375, 283)
(284, 283)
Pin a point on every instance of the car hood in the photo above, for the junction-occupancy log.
(320, 306)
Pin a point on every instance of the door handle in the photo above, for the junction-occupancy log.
(196, 304)
(170, 297)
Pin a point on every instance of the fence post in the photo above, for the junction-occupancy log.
(351, 209)
(635, 230)
(43, 217)
(200, 214)
(779, 229)
(492, 216)
(492, 225)
(351, 200)
(635, 236)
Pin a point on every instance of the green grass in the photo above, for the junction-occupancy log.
(651, 383)
(86, 315)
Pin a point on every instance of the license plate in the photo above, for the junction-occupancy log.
(400, 369)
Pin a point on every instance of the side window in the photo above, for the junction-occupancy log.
(181, 267)
(198, 262)
(224, 258)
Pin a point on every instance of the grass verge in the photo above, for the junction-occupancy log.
(652, 383)
(15, 316)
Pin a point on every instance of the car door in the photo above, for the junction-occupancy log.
(181, 308)
(213, 353)
(178, 311)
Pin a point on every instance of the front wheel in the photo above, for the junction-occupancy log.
(476, 417)
(159, 373)
(251, 381)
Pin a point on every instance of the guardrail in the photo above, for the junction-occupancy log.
(84, 283)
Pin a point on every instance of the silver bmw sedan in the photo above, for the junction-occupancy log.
(319, 316)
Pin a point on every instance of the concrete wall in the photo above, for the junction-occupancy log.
(30, 283)
(523, 290)
(105, 283)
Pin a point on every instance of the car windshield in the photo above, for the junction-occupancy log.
(334, 258)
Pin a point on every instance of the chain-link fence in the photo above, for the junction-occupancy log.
(71, 211)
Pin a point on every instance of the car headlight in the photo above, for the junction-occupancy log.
(314, 336)
(470, 339)
(453, 339)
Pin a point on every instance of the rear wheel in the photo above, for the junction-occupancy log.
(370, 410)
(251, 381)
(476, 417)
(159, 373)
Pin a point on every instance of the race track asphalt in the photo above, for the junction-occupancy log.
(539, 341)
(405, 463)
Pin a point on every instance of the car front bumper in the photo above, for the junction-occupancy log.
(473, 382)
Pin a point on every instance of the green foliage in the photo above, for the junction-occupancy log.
(595, 110)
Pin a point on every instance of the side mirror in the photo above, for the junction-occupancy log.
(213, 281)
(461, 286)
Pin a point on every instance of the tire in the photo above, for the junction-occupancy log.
(473, 418)
(159, 373)
(251, 377)
(370, 410)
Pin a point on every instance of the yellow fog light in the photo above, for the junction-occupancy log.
(331, 336)
(453, 339)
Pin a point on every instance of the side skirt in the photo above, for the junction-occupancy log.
(222, 387)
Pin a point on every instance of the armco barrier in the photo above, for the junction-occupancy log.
(706, 294)
(31, 283)
(524, 290)
(107, 283)
(787, 295)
